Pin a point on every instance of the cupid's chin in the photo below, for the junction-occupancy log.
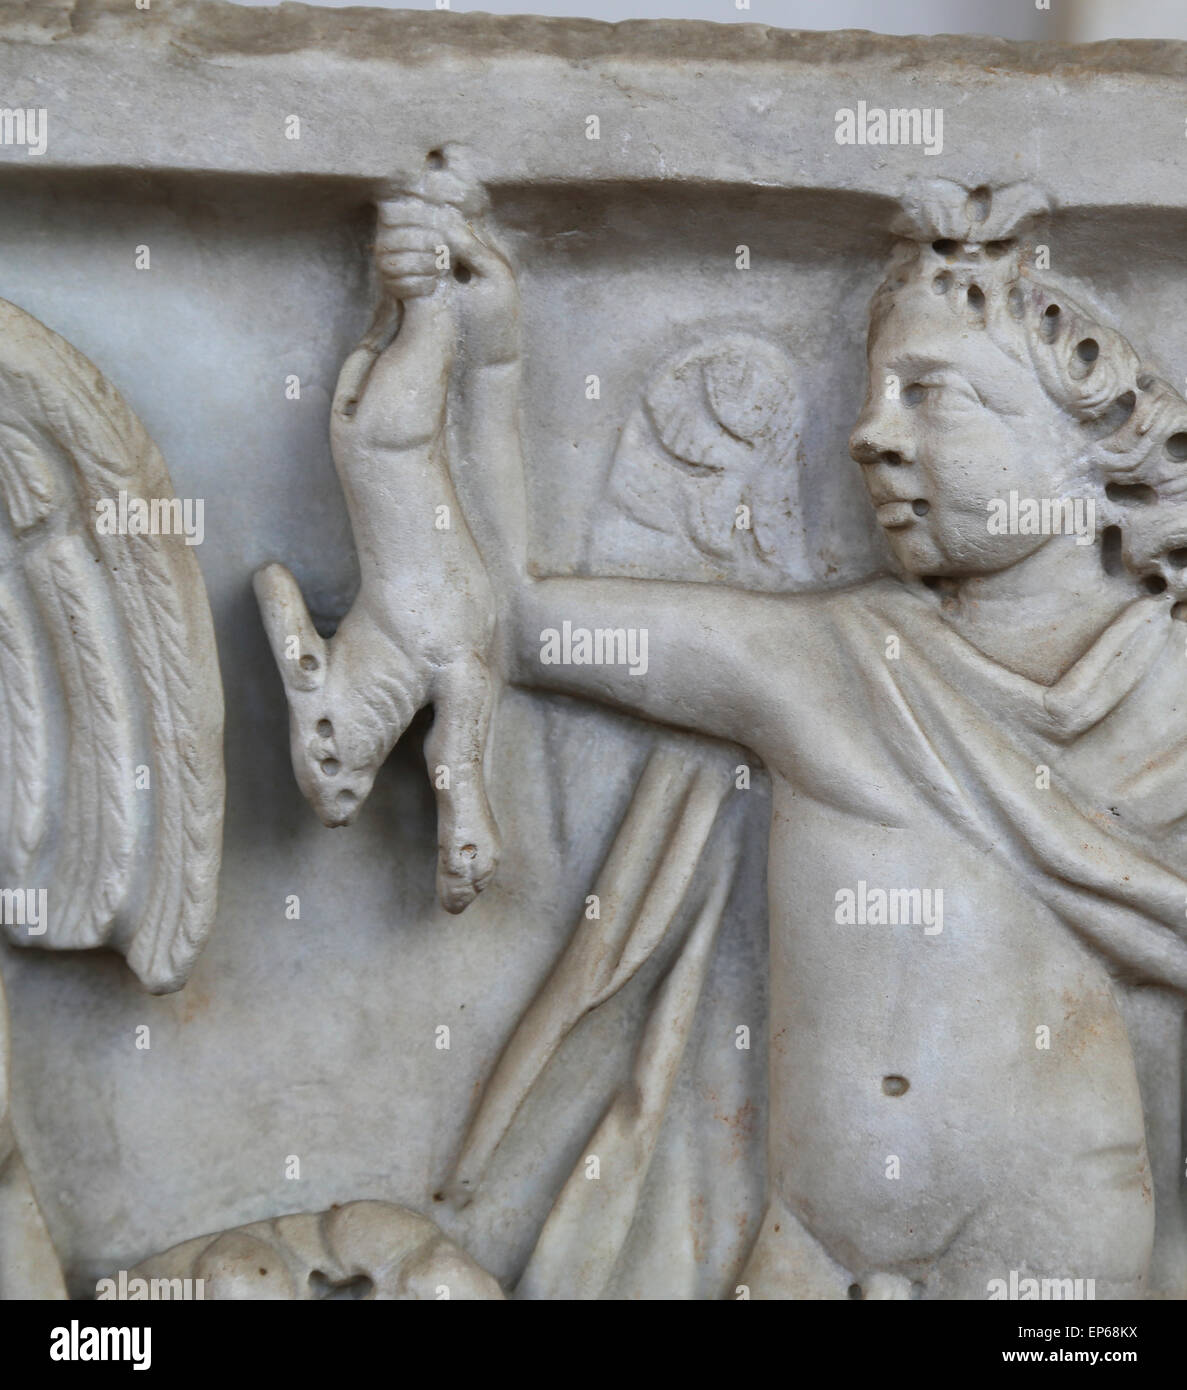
(916, 552)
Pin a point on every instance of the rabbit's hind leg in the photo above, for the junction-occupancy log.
(467, 836)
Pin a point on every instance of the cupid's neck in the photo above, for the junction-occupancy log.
(1038, 617)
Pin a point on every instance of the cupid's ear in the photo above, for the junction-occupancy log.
(299, 649)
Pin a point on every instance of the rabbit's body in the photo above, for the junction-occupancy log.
(420, 630)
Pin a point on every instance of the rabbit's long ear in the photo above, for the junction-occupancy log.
(300, 651)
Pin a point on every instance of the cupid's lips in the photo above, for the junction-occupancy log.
(895, 515)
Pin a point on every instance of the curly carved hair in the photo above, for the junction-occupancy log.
(1134, 456)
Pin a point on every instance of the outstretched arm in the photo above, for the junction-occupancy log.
(697, 656)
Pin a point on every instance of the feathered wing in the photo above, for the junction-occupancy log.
(111, 708)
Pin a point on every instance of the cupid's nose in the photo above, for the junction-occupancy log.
(880, 437)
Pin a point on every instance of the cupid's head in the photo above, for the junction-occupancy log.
(986, 378)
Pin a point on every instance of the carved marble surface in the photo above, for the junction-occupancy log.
(587, 993)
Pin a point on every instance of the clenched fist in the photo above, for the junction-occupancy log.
(424, 248)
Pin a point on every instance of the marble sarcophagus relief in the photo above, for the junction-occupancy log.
(701, 512)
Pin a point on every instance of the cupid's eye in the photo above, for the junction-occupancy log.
(948, 390)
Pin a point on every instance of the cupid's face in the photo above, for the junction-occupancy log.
(951, 422)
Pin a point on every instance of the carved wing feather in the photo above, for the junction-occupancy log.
(91, 876)
(26, 484)
(123, 681)
(22, 738)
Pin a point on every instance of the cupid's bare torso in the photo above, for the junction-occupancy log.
(945, 1105)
